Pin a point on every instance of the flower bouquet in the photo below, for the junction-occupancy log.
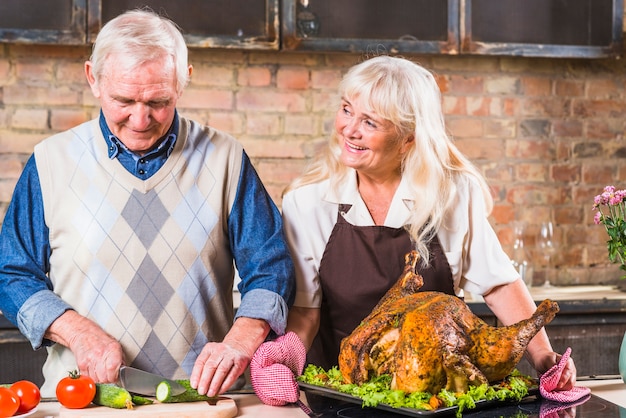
(611, 211)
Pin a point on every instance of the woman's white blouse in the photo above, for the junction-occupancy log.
(476, 258)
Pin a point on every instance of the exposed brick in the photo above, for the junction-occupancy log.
(466, 85)
(326, 102)
(230, 122)
(536, 194)
(207, 99)
(5, 69)
(604, 88)
(281, 172)
(25, 118)
(535, 128)
(270, 101)
(502, 106)
(34, 72)
(254, 76)
(19, 142)
(536, 86)
(479, 149)
(263, 125)
(535, 172)
(465, 127)
(569, 88)
(599, 108)
(325, 79)
(566, 173)
(292, 78)
(502, 85)
(554, 107)
(569, 215)
(71, 73)
(587, 149)
(503, 214)
(214, 76)
(454, 105)
(442, 82)
(262, 148)
(605, 128)
(6, 190)
(300, 125)
(478, 106)
(548, 134)
(50, 96)
(11, 167)
(567, 128)
(538, 150)
(500, 128)
(63, 119)
(598, 173)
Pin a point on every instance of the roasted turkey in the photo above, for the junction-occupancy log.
(430, 340)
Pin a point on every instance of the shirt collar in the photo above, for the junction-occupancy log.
(115, 146)
(348, 193)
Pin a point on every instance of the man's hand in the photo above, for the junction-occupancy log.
(220, 364)
(217, 368)
(98, 355)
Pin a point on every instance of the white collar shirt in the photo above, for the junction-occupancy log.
(476, 258)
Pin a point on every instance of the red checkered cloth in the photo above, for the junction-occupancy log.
(550, 379)
(553, 409)
(274, 367)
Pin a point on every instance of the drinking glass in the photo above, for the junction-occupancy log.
(547, 248)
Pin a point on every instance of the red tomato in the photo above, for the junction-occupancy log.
(29, 395)
(9, 402)
(76, 391)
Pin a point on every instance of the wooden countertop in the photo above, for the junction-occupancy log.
(612, 390)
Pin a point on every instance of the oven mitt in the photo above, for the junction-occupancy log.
(550, 379)
(274, 367)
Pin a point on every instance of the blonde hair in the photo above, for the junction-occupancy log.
(407, 95)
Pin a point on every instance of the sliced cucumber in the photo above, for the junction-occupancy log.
(164, 393)
(140, 400)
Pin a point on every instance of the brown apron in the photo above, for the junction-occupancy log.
(359, 265)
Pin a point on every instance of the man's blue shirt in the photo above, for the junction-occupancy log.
(25, 247)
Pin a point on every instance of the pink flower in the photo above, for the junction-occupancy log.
(597, 218)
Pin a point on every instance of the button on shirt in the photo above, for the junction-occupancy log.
(142, 167)
(25, 246)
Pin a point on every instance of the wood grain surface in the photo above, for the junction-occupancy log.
(224, 408)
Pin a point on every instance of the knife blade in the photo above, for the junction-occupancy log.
(145, 383)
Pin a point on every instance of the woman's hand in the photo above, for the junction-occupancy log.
(545, 360)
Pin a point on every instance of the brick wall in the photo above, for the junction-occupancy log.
(547, 133)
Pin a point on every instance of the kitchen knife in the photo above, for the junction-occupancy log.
(144, 383)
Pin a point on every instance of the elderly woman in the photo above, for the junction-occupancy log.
(391, 180)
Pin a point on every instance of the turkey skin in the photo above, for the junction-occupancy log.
(428, 341)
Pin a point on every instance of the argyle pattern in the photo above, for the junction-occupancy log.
(138, 256)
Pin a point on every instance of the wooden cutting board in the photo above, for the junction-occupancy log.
(224, 408)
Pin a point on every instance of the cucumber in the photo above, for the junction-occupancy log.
(164, 393)
(140, 400)
(112, 396)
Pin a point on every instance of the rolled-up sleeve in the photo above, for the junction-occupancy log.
(260, 252)
(475, 255)
(26, 297)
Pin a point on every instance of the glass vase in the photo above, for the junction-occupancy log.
(622, 359)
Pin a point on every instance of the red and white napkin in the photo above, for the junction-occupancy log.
(550, 379)
(274, 367)
(560, 399)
